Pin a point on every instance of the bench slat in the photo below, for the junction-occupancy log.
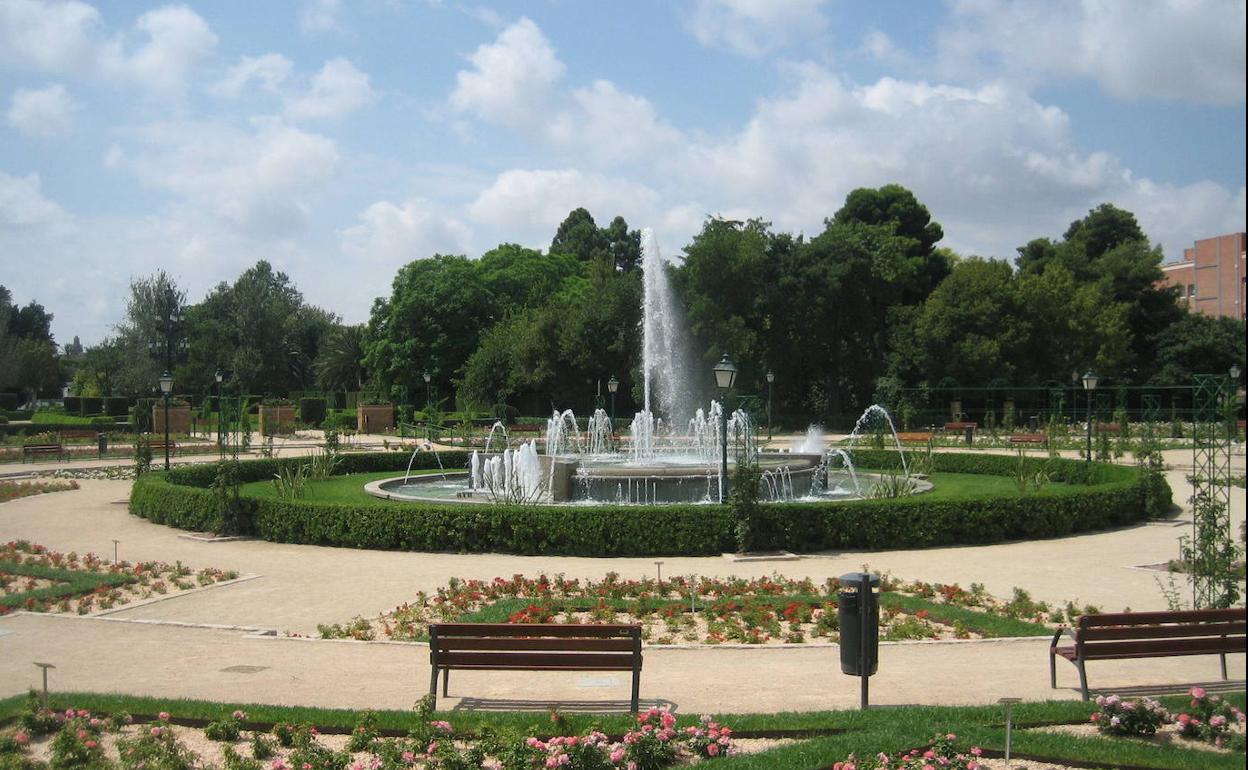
(1099, 633)
(527, 644)
(1158, 618)
(592, 661)
(1161, 648)
(567, 630)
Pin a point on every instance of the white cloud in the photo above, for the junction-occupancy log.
(609, 125)
(532, 202)
(269, 72)
(23, 207)
(68, 37)
(396, 234)
(319, 15)
(338, 89)
(754, 27)
(44, 112)
(262, 180)
(1185, 50)
(511, 78)
(49, 36)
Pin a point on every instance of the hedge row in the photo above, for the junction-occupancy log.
(1120, 495)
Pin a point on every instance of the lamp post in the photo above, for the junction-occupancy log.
(428, 398)
(166, 387)
(220, 377)
(1089, 384)
(613, 385)
(1232, 399)
(771, 377)
(725, 376)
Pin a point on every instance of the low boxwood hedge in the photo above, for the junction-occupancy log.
(1099, 496)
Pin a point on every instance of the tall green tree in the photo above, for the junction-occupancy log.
(1198, 344)
(340, 364)
(433, 320)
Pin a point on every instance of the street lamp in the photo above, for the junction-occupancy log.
(725, 376)
(428, 402)
(220, 378)
(1089, 384)
(166, 387)
(613, 385)
(1232, 398)
(771, 377)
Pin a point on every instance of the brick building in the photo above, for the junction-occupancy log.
(1211, 276)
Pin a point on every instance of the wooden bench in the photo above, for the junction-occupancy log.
(961, 426)
(158, 447)
(534, 647)
(35, 451)
(1124, 635)
(79, 434)
(914, 437)
(1029, 438)
(1108, 427)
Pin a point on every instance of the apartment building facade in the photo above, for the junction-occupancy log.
(1211, 276)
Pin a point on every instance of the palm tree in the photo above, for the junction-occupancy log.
(340, 365)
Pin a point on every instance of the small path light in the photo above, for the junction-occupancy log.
(1009, 704)
(45, 667)
(658, 565)
(693, 595)
(115, 542)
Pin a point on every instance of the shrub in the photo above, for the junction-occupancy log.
(182, 499)
(1126, 717)
(8, 401)
(311, 411)
(226, 728)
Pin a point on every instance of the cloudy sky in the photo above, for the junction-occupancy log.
(340, 139)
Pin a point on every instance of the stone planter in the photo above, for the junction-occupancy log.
(374, 418)
(277, 420)
(179, 418)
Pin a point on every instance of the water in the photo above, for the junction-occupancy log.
(865, 422)
(515, 476)
(562, 435)
(663, 350)
(814, 443)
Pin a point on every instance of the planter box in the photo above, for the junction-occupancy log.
(277, 420)
(179, 418)
(374, 418)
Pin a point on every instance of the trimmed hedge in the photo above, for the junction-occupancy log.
(311, 411)
(1120, 496)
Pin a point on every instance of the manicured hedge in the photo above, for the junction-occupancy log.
(1119, 496)
(311, 411)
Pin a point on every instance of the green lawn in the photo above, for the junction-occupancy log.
(829, 736)
(350, 489)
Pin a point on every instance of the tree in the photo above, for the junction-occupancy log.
(518, 278)
(895, 205)
(580, 237)
(340, 365)
(1198, 344)
(155, 316)
(623, 244)
(1104, 228)
(433, 320)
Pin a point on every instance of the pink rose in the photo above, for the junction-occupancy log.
(712, 750)
(163, 716)
(1198, 692)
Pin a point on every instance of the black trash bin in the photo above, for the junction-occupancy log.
(858, 637)
(103, 439)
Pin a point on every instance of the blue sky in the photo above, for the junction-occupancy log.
(340, 140)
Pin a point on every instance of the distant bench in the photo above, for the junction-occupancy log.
(1029, 438)
(158, 447)
(958, 427)
(914, 437)
(35, 451)
(1125, 635)
(534, 647)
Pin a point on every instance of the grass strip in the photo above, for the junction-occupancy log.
(865, 732)
(72, 582)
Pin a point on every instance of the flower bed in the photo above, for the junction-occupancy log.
(36, 579)
(77, 738)
(687, 610)
(12, 490)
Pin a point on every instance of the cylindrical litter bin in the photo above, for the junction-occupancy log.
(103, 439)
(970, 434)
(860, 642)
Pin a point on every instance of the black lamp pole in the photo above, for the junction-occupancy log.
(771, 377)
(1089, 384)
(725, 375)
(220, 377)
(613, 385)
(166, 385)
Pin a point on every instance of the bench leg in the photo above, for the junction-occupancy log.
(636, 690)
(433, 687)
(1052, 670)
(1083, 679)
(1223, 657)
(446, 680)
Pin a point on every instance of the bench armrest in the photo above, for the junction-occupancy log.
(1062, 629)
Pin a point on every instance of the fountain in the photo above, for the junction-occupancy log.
(656, 463)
